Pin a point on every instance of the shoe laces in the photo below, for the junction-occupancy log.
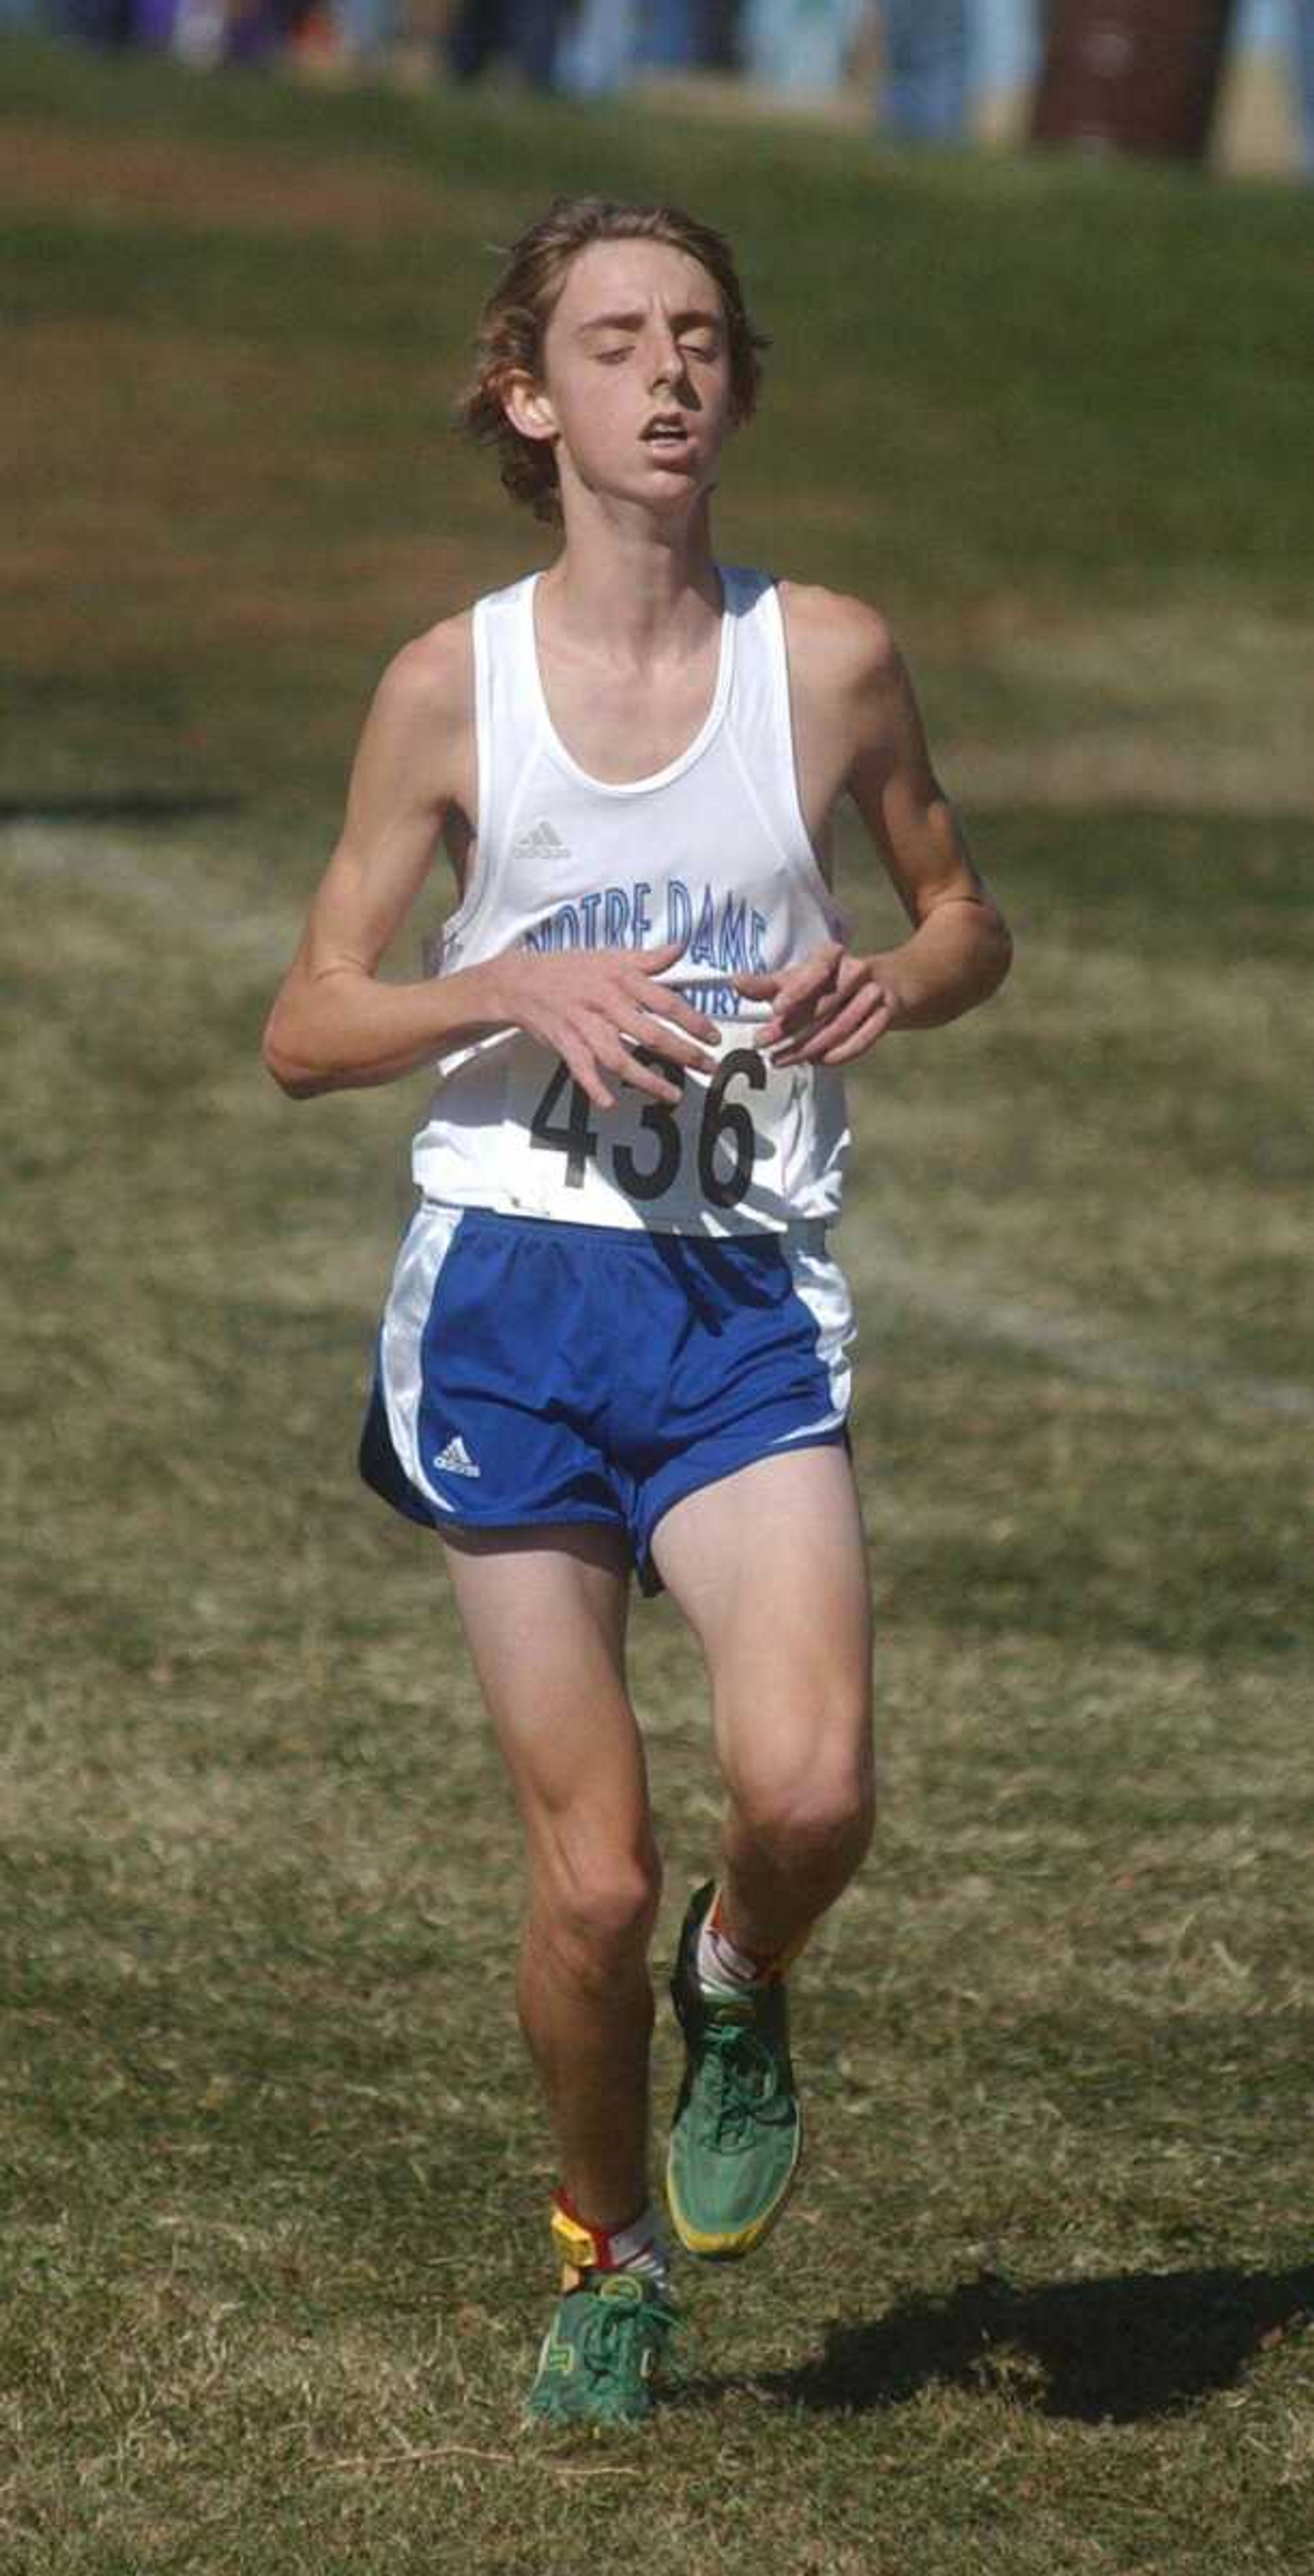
(615, 2320)
(747, 2092)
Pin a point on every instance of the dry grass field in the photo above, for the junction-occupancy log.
(275, 2258)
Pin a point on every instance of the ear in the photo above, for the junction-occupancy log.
(528, 407)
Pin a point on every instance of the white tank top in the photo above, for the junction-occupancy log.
(713, 850)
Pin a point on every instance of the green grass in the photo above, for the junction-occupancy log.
(1057, 413)
(275, 2258)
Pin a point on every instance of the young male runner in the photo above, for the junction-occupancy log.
(616, 1337)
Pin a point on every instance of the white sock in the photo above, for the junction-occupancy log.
(643, 2247)
(723, 1968)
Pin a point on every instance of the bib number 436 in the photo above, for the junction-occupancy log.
(725, 1144)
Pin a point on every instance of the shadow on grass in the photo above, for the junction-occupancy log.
(145, 806)
(1136, 2345)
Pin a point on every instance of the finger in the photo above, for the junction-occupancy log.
(853, 1016)
(794, 1017)
(646, 1077)
(820, 1015)
(812, 976)
(803, 989)
(666, 1004)
(645, 1018)
(612, 1060)
(657, 1070)
(818, 1045)
(638, 1068)
(794, 1038)
(584, 1071)
(860, 1045)
(870, 1029)
(845, 979)
(662, 1041)
(790, 989)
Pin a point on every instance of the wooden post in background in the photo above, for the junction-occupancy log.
(1137, 76)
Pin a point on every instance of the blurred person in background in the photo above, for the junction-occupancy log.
(926, 71)
(924, 88)
(1303, 34)
(366, 31)
(605, 42)
(673, 34)
(599, 48)
(524, 32)
(801, 45)
(89, 22)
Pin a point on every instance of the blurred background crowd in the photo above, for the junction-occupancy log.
(1134, 75)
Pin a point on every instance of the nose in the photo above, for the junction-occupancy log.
(666, 365)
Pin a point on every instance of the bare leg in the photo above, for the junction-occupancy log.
(544, 1613)
(770, 1570)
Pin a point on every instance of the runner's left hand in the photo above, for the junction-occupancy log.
(827, 1010)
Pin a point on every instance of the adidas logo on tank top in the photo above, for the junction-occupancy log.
(540, 842)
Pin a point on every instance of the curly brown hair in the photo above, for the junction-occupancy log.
(515, 319)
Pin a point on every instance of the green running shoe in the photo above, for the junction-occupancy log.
(601, 2352)
(738, 2131)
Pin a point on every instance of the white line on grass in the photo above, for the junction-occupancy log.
(1077, 1344)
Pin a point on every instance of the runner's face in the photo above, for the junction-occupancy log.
(636, 374)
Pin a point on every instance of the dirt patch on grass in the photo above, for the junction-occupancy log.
(159, 476)
(1128, 769)
(1191, 702)
(369, 596)
(197, 183)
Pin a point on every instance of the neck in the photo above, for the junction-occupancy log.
(631, 589)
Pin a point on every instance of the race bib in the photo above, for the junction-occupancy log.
(710, 1162)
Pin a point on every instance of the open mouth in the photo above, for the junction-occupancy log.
(666, 433)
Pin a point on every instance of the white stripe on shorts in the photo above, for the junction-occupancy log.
(432, 1233)
(820, 1282)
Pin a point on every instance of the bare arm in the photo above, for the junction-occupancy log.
(860, 730)
(336, 1025)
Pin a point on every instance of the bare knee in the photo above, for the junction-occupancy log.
(596, 1912)
(808, 1809)
(809, 1822)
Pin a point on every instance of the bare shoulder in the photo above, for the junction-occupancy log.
(836, 641)
(430, 681)
(418, 746)
(852, 698)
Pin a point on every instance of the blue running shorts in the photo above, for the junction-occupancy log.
(531, 1371)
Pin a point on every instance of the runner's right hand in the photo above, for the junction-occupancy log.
(595, 1006)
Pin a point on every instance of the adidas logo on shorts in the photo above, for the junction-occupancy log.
(455, 1459)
